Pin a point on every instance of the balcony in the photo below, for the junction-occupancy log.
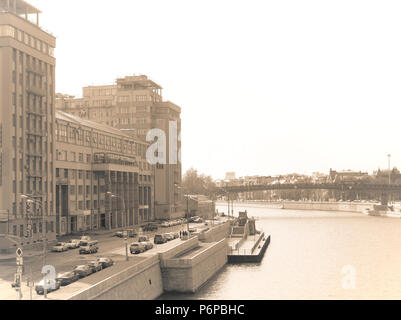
(4, 215)
(36, 90)
(35, 71)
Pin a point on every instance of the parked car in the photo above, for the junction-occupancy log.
(39, 288)
(131, 233)
(119, 234)
(169, 236)
(165, 224)
(105, 262)
(159, 239)
(73, 244)
(82, 270)
(84, 240)
(95, 266)
(176, 235)
(150, 227)
(143, 238)
(60, 247)
(148, 245)
(89, 248)
(67, 278)
(136, 248)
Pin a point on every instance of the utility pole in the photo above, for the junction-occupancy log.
(126, 247)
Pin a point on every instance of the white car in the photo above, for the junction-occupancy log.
(73, 244)
(147, 244)
(60, 247)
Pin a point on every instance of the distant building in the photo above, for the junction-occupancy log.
(199, 205)
(230, 176)
(346, 176)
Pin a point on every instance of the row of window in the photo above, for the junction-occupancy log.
(79, 136)
(10, 31)
(36, 228)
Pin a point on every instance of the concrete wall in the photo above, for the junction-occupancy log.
(139, 282)
(189, 274)
(216, 233)
(327, 206)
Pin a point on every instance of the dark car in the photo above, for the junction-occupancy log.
(119, 234)
(83, 270)
(67, 278)
(95, 266)
(105, 262)
(150, 227)
(160, 239)
(39, 288)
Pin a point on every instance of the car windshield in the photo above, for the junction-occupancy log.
(80, 267)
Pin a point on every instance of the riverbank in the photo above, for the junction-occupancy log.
(306, 205)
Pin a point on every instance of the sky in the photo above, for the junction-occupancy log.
(265, 87)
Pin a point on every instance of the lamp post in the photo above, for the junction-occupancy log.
(187, 210)
(44, 235)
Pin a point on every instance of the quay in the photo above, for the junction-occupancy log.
(246, 243)
(177, 266)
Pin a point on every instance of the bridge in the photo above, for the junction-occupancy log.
(344, 187)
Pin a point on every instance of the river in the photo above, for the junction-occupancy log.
(314, 255)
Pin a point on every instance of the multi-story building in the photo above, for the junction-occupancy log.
(27, 164)
(103, 178)
(135, 105)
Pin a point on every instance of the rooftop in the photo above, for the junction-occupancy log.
(141, 80)
(19, 7)
(60, 115)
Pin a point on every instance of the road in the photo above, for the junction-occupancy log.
(109, 246)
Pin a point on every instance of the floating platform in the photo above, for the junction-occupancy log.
(250, 251)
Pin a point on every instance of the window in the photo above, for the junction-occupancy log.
(7, 31)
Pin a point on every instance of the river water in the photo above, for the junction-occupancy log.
(314, 255)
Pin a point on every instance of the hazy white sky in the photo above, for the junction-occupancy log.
(266, 87)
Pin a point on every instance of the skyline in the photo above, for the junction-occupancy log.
(321, 79)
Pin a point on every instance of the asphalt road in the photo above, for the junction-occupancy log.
(109, 246)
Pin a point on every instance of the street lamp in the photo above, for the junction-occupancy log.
(187, 211)
(44, 236)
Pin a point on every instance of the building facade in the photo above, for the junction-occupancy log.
(27, 114)
(103, 178)
(200, 205)
(135, 105)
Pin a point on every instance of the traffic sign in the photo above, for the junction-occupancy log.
(19, 252)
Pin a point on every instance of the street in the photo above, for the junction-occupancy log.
(109, 246)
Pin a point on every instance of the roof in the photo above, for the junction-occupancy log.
(24, 7)
(60, 115)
